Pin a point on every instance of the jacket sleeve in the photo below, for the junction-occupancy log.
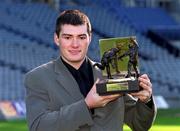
(41, 118)
(138, 116)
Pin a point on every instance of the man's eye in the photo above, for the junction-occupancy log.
(82, 37)
(67, 37)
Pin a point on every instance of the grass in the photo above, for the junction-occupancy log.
(166, 120)
(18, 125)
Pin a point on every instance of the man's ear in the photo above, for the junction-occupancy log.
(56, 39)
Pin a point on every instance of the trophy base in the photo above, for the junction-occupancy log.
(115, 86)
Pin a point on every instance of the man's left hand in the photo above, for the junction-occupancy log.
(145, 94)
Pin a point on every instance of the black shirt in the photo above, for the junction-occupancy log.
(83, 76)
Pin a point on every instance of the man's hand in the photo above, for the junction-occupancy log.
(145, 94)
(93, 100)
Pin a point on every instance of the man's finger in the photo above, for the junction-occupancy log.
(145, 76)
(93, 89)
(97, 80)
(111, 96)
(145, 86)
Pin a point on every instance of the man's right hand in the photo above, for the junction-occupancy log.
(93, 100)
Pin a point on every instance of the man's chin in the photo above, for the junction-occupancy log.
(76, 60)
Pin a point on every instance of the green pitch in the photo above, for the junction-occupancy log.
(166, 120)
(19, 125)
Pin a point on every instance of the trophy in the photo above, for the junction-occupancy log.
(119, 65)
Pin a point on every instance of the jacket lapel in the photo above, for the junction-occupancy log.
(66, 80)
(96, 71)
(102, 112)
(98, 112)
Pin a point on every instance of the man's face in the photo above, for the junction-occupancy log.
(73, 42)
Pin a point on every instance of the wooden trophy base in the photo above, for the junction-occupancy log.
(115, 86)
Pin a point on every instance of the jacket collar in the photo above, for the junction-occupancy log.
(66, 80)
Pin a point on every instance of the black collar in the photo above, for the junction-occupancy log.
(83, 68)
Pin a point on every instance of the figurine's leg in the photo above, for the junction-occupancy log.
(129, 69)
(136, 70)
(108, 71)
(112, 62)
(116, 64)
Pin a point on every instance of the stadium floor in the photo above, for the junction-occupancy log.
(166, 120)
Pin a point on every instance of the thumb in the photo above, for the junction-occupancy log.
(97, 80)
(94, 86)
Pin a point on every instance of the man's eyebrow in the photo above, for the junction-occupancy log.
(82, 35)
(66, 35)
(72, 35)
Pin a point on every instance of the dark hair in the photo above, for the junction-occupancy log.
(72, 17)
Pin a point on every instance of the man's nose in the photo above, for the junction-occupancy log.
(75, 42)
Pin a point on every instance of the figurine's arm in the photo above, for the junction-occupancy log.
(123, 55)
(99, 65)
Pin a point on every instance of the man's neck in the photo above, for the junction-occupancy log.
(75, 64)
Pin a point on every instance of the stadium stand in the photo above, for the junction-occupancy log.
(26, 41)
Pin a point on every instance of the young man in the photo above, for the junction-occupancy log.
(61, 94)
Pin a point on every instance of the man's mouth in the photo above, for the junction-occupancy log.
(74, 52)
